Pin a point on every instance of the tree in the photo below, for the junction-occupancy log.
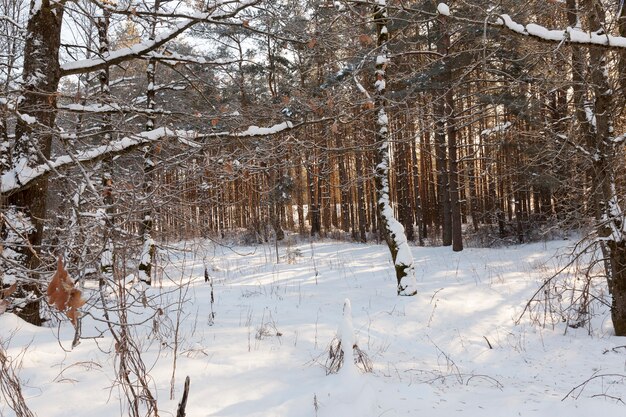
(392, 230)
(35, 126)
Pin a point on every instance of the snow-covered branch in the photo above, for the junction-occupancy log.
(18, 178)
(175, 57)
(571, 35)
(12, 21)
(541, 33)
(564, 138)
(108, 108)
(21, 175)
(503, 127)
(143, 48)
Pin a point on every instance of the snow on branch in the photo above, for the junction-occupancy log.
(572, 35)
(619, 139)
(496, 129)
(142, 48)
(12, 21)
(264, 131)
(533, 30)
(18, 177)
(124, 54)
(21, 175)
(175, 57)
(108, 108)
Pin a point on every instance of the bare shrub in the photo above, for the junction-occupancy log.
(572, 293)
(10, 387)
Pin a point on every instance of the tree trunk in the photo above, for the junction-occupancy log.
(33, 141)
(598, 132)
(445, 123)
(443, 191)
(391, 228)
(149, 250)
(618, 286)
(360, 197)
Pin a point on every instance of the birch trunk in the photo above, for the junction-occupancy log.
(392, 229)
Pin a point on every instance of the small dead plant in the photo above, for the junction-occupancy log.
(10, 387)
(267, 329)
(334, 361)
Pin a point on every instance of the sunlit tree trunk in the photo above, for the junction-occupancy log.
(148, 250)
(390, 227)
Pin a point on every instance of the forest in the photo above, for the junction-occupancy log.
(129, 128)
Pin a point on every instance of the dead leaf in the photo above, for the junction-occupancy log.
(312, 43)
(5, 293)
(56, 292)
(365, 40)
(62, 294)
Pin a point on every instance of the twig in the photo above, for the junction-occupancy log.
(584, 384)
(488, 343)
(10, 387)
(180, 412)
(614, 349)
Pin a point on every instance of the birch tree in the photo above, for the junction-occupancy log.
(392, 229)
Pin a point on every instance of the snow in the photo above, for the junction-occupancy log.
(346, 334)
(509, 23)
(542, 32)
(590, 116)
(257, 131)
(35, 7)
(574, 35)
(430, 352)
(28, 118)
(503, 127)
(443, 9)
(615, 218)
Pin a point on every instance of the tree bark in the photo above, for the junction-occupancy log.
(148, 251)
(33, 141)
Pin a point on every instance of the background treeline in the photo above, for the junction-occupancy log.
(472, 107)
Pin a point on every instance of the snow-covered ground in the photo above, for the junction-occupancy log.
(265, 351)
